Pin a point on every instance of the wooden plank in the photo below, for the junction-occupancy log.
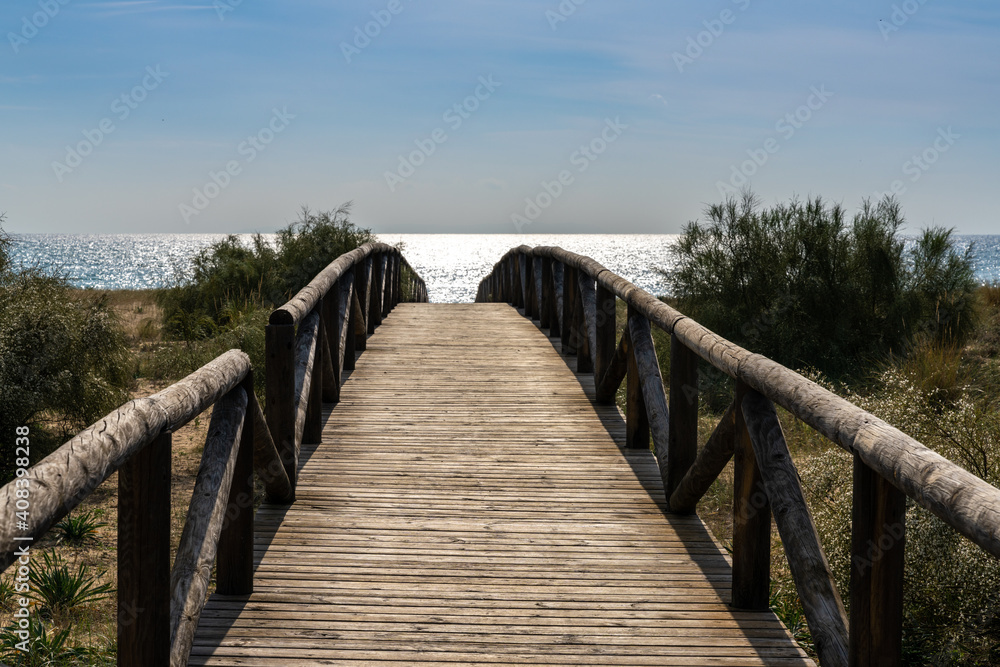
(470, 504)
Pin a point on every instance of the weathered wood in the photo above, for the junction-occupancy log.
(199, 543)
(527, 284)
(648, 369)
(558, 289)
(812, 574)
(305, 359)
(568, 303)
(332, 353)
(376, 285)
(279, 394)
(751, 519)
(636, 421)
(683, 448)
(266, 460)
(61, 480)
(604, 345)
(877, 565)
(344, 331)
(588, 322)
(546, 289)
(313, 427)
(144, 556)
(607, 387)
(709, 464)
(538, 288)
(362, 287)
(234, 570)
(542, 544)
(962, 500)
(300, 305)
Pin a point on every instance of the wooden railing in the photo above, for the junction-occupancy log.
(312, 339)
(575, 297)
(159, 606)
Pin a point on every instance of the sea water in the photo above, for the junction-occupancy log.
(451, 264)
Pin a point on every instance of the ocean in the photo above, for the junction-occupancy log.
(451, 264)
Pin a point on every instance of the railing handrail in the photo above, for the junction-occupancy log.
(64, 478)
(574, 297)
(159, 606)
(963, 501)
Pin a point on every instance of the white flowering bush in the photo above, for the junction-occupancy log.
(952, 590)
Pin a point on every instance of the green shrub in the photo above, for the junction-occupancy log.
(800, 284)
(79, 528)
(47, 649)
(229, 277)
(56, 588)
(952, 588)
(64, 360)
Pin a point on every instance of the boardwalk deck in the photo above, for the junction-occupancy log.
(469, 505)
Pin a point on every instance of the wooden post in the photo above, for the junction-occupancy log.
(346, 323)
(518, 265)
(234, 559)
(313, 431)
(568, 289)
(375, 292)
(144, 556)
(332, 360)
(751, 520)
(683, 441)
(279, 344)
(528, 280)
(585, 305)
(536, 276)
(545, 310)
(362, 285)
(605, 349)
(390, 281)
(636, 420)
(877, 555)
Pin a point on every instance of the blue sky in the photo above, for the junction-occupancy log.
(227, 115)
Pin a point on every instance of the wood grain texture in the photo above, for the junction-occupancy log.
(199, 543)
(709, 464)
(814, 581)
(61, 480)
(471, 505)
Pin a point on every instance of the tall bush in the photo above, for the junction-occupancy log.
(802, 285)
(64, 360)
(229, 277)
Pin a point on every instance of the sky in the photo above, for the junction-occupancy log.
(491, 116)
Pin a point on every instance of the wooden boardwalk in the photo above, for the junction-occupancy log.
(470, 505)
